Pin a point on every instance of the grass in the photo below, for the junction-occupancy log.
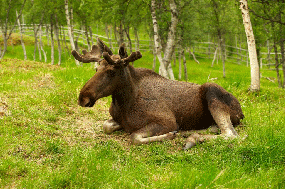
(47, 141)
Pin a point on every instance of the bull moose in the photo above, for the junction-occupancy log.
(151, 107)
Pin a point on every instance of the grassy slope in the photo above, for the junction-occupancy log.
(47, 141)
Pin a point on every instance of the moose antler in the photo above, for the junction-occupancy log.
(133, 57)
(125, 61)
(87, 57)
(103, 47)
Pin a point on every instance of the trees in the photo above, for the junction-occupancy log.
(270, 28)
(70, 29)
(167, 22)
(7, 12)
(255, 74)
(165, 66)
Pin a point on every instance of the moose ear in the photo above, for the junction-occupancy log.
(122, 51)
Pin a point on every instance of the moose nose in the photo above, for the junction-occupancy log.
(83, 102)
(87, 102)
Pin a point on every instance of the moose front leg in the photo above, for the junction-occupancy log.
(153, 132)
(109, 126)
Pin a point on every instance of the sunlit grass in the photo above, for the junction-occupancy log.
(47, 141)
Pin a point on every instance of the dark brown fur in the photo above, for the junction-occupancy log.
(147, 105)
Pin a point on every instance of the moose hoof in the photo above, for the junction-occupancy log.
(189, 145)
(171, 135)
(110, 126)
(191, 141)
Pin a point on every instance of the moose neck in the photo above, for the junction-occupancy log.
(124, 95)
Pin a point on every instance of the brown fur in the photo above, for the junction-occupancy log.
(151, 107)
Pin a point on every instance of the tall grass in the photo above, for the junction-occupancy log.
(47, 141)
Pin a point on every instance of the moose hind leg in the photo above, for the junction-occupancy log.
(109, 126)
(150, 134)
(220, 112)
(224, 124)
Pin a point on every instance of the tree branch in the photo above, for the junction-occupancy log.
(264, 18)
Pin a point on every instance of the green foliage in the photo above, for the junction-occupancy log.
(47, 141)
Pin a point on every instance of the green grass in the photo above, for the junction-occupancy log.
(48, 141)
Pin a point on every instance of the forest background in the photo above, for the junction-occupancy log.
(212, 25)
(48, 141)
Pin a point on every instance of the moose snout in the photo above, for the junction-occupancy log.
(85, 101)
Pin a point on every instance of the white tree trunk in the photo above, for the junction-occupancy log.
(254, 67)
(21, 36)
(165, 68)
(171, 39)
(70, 27)
(52, 45)
(180, 63)
(185, 66)
(58, 40)
(158, 49)
(41, 45)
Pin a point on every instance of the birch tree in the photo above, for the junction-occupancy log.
(270, 27)
(10, 10)
(165, 68)
(254, 67)
(21, 36)
(70, 34)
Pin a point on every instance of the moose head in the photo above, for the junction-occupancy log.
(108, 74)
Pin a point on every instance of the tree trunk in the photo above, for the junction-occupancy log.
(276, 57)
(52, 44)
(36, 41)
(180, 64)
(223, 56)
(70, 33)
(47, 34)
(90, 33)
(58, 40)
(41, 45)
(107, 35)
(129, 39)
(254, 67)
(65, 41)
(282, 46)
(121, 34)
(171, 38)
(165, 68)
(154, 59)
(137, 48)
(21, 36)
(158, 48)
(194, 57)
(115, 32)
(174, 58)
(215, 55)
(185, 66)
(209, 47)
(87, 37)
(6, 36)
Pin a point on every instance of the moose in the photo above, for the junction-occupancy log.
(151, 107)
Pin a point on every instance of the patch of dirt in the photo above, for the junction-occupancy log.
(4, 111)
(45, 81)
(15, 39)
(26, 65)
